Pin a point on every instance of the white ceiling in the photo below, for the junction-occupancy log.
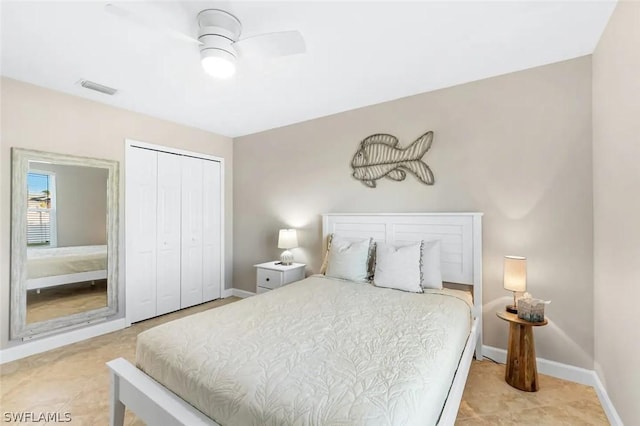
(359, 53)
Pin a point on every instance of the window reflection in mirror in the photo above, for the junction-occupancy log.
(41, 216)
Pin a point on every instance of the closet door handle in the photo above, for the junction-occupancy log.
(267, 279)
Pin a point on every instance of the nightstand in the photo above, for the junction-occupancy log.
(270, 275)
(521, 371)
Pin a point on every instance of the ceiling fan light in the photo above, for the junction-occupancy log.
(218, 63)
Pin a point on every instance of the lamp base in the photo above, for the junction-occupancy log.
(512, 309)
(286, 258)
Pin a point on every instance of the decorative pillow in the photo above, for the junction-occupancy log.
(348, 259)
(370, 261)
(431, 272)
(398, 266)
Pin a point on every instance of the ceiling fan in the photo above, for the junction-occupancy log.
(219, 39)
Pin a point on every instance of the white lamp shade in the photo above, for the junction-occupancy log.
(287, 239)
(515, 273)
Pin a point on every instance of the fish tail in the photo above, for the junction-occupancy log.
(419, 147)
(420, 170)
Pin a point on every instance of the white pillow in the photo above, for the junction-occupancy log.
(431, 272)
(348, 259)
(398, 267)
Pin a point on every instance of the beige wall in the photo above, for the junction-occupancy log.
(616, 185)
(516, 147)
(37, 118)
(81, 204)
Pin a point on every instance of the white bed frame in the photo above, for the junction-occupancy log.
(78, 277)
(461, 241)
(74, 277)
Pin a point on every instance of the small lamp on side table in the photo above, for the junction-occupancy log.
(287, 239)
(515, 278)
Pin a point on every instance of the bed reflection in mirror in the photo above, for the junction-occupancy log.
(66, 240)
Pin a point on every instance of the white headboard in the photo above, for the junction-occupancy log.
(460, 235)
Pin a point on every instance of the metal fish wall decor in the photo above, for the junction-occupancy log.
(380, 156)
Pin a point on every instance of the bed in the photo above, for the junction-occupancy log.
(320, 351)
(48, 267)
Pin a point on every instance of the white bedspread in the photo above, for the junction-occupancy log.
(316, 352)
(47, 262)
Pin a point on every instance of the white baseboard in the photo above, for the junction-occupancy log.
(241, 293)
(37, 346)
(565, 372)
(550, 368)
(227, 292)
(607, 405)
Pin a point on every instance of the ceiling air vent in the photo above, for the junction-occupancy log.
(98, 87)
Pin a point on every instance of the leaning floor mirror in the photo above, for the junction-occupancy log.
(64, 241)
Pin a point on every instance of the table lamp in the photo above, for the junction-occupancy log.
(515, 278)
(287, 239)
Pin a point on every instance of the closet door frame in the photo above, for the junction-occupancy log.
(134, 144)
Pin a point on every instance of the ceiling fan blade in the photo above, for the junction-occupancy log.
(271, 45)
(148, 23)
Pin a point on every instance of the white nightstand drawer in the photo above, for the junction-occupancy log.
(270, 275)
(269, 278)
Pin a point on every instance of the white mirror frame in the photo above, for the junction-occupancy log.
(20, 167)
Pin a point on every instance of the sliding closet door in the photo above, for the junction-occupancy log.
(192, 221)
(168, 236)
(141, 205)
(212, 232)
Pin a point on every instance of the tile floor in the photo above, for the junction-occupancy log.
(63, 300)
(75, 380)
(489, 400)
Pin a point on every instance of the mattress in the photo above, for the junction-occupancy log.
(319, 351)
(47, 262)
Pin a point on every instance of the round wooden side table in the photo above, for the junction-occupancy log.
(521, 371)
